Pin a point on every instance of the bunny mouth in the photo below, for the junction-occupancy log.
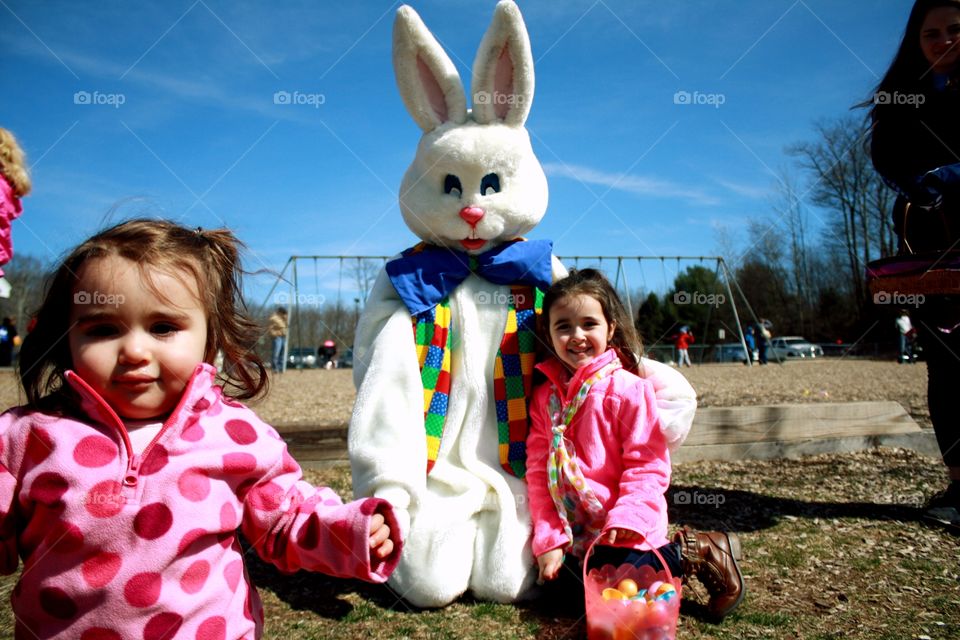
(473, 244)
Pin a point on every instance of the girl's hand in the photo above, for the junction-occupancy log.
(623, 535)
(381, 545)
(550, 563)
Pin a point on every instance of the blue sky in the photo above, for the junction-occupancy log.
(128, 107)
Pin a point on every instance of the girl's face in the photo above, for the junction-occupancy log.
(579, 331)
(137, 349)
(939, 38)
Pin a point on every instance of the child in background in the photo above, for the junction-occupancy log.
(126, 479)
(598, 464)
(682, 341)
(14, 184)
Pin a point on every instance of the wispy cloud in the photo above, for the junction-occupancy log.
(94, 69)
(634, 184)
(745, 190)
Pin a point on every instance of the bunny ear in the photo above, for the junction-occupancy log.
(429, 83)
(503, 70)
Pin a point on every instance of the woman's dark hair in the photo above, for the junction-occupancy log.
(212, 258)
(591, 282)
(910, 70)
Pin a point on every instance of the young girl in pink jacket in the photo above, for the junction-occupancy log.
(598, 466)
(126, 480)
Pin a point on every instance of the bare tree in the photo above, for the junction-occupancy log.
(364, 272)
(792, 219)
(26, 277)
(843, 181)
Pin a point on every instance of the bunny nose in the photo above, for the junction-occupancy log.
(472, 215)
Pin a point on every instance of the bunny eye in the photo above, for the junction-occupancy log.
(491, 181)
(451, 185)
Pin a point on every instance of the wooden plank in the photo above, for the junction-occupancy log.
(719, 433)
(786, 422)
(788, 431)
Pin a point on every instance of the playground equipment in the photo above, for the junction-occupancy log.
(362, 270)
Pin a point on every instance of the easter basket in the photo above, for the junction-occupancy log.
(613, 614)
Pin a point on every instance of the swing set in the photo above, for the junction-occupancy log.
(296, 276)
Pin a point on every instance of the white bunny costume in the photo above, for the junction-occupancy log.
(473, 189)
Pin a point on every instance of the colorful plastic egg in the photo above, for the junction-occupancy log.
(665, 588)
(640, 595)
(628, 587)
(612, 594)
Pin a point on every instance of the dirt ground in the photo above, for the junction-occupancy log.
(326, 397)
(322, 398)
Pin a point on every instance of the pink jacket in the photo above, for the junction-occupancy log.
(619, 447)
(117, 545)
(9, 211)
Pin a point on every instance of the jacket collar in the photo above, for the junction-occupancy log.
(201, 386)
(558, 374)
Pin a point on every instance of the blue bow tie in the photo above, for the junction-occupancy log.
(426, 274)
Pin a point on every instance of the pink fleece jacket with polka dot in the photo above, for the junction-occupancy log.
(120, 546)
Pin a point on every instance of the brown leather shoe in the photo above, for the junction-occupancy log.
(712, 557)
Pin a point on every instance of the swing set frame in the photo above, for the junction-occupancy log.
(619, 280)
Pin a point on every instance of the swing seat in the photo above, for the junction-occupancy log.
(927, 274)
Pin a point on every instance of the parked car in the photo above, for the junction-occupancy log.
(302, 358)
(346, 360)
(729, 352)
(793, 347)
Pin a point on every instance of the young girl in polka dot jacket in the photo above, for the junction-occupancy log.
(126, 480)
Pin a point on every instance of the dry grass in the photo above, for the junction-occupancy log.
(833, 544)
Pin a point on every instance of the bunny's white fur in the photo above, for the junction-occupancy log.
(466, 525)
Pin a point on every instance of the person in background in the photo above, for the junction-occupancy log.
(277, 327)
(906, 333)
(327, 354)
(750, 338)
(682, 341)
(914, 143)
(14, 184)
(8, 340)
(763, 340)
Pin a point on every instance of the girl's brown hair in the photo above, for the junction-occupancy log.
(13, 164)
(593, 283)
(211, 257)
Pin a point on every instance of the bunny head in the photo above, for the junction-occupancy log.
(475, 181)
